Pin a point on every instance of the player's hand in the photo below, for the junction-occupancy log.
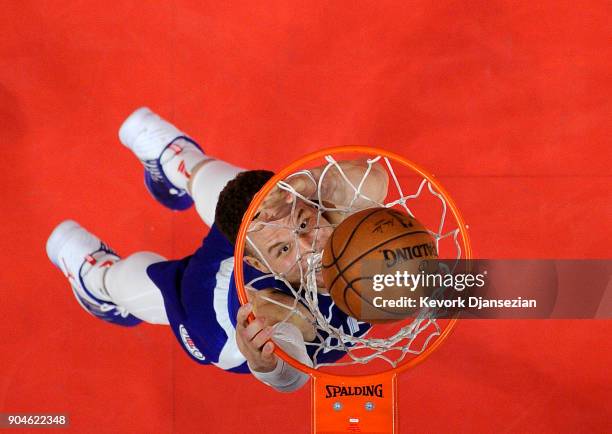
(278, 203)
(254, 341)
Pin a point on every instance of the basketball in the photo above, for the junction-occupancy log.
(369, 244)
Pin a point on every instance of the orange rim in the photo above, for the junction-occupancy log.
(259, 197)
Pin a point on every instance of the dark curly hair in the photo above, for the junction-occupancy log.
(235, 198)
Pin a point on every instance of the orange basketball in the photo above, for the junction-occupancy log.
(369, 244)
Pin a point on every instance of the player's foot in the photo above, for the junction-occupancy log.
(84, 260)
(167, 154)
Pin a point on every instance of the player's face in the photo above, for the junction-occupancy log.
(287, 242)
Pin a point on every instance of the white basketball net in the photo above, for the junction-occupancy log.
(415, 334)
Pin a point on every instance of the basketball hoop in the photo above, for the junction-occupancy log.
(357, 392)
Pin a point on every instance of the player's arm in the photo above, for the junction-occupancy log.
(371, 180)
(254, 342)
(336, 190)
(274, 306)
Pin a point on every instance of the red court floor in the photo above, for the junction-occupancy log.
(508, 103)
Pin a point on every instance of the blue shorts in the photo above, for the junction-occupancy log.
(200, 307)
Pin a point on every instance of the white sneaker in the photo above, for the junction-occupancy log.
(82, 257)
(147, 135)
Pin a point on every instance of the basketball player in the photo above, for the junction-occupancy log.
(196, 295)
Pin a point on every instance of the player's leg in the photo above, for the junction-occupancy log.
(129, 286)
(106, 286)
(206, 183)
(177, 172)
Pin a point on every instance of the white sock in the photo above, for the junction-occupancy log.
(207, 183)
(178, 161)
